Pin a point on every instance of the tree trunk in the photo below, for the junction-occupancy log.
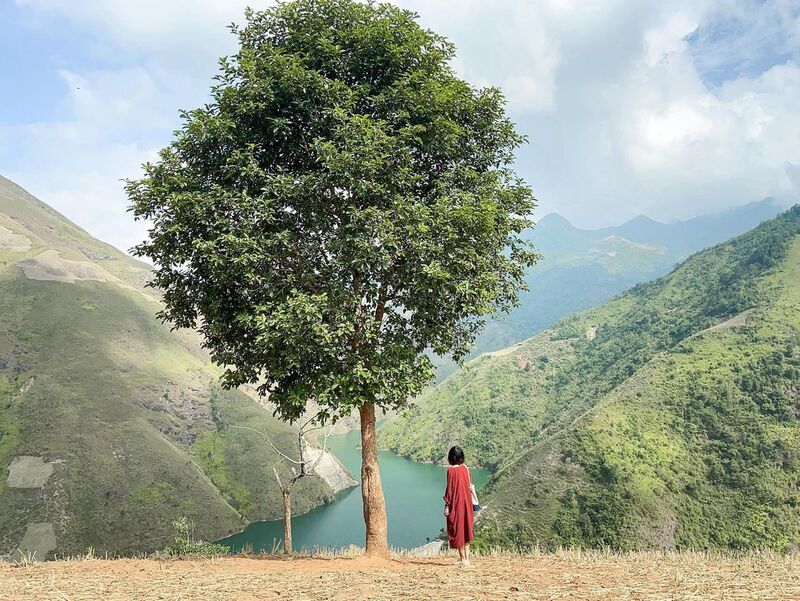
(287, 519)
(371, 489)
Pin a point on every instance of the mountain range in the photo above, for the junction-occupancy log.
(581, 268)
(666, 417)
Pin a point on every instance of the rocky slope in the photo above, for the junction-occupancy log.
(111, 425)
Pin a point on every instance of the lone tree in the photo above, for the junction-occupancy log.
(304, 466)
(343, 203)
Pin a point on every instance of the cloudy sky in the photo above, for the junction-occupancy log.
(666, 108)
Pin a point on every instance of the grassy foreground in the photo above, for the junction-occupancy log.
(561, 575)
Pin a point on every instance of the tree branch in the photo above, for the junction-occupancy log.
(305, 469)
(274, 448)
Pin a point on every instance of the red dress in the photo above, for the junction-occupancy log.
(458, 497)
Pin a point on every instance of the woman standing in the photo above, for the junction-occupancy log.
(458, 505)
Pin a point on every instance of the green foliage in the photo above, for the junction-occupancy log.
(9, 430)
(208, 451)
(185, 543)
(479, 408)
(676, 426)
(765, 381)
(153, 494)
(595, 518)
(342, 203)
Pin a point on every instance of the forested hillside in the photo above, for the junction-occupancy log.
(665, 418)
(111, 425)
(581, 268)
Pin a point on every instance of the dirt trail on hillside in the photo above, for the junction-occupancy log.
(571, 576)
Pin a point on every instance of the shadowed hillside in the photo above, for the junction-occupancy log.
(111, 425)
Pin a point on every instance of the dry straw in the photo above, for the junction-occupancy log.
(345, 574)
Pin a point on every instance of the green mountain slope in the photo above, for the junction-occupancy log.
(111, 425)
(582, 268)
(668, 417)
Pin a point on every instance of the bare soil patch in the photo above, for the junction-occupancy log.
(737, 320)
(51, 266)
(39, 540)
(566, 575)
(12, 241)
(28, 471)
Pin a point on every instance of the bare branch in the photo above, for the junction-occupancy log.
(305, 469)
(274, 448)
(301, 443)
(313, 429)
(310, 420)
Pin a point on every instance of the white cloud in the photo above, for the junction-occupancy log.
(668, 38)
(660, 139)
(793, 174)
(189, 34)
(78, 165)
(631, 125)
(670, 109)
(690, 147)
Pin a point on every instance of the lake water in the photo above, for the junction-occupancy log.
(413, 502)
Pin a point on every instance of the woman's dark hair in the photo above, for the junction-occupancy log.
(455, 456)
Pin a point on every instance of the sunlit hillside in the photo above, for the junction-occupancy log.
(668, 417)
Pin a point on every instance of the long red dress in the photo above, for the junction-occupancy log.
(458, 497)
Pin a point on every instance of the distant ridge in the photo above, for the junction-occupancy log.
(581, 268)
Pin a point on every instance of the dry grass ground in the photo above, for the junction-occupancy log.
(563, 576)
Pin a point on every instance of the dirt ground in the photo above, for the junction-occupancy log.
(563, 576)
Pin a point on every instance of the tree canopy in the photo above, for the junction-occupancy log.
(342, 203)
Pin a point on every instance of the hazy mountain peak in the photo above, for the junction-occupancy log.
(642, 220)
(554, 220)
(584, 267)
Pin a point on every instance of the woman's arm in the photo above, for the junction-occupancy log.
(448, 492)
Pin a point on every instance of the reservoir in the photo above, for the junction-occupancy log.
(414, 505)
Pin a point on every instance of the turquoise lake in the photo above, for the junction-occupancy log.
(413, 502)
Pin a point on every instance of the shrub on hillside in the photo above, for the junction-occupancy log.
(185, 543)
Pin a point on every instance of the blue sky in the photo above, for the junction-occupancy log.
(671, 109)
